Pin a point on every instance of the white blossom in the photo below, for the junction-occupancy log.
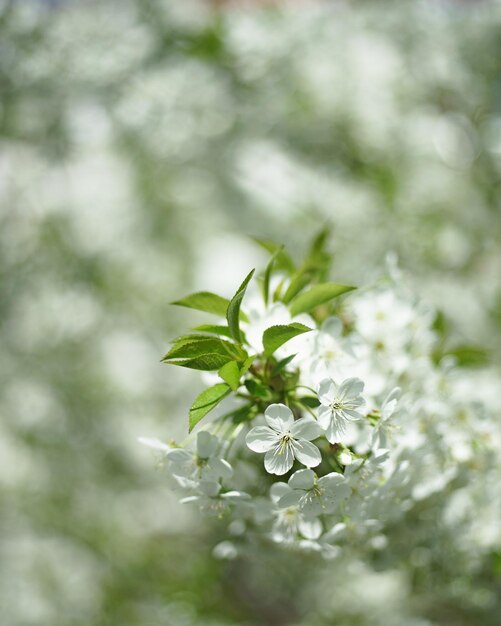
(372, 464)
(329, 354)
(290, 524)
(204, 464)
(338, 405)
(209, 497)
(385, 425)
(284, 440)
(313, 495)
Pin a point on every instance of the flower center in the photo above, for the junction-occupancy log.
(285, 441)
(316, 491)
(200, 464)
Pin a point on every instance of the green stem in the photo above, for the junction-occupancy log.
(309, 409)
(306, 387)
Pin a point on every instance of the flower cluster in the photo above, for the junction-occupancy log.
(340, 412)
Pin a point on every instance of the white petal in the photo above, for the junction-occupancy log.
(289, 499)
(261, 439)
(379, 439)
(313, 505)
(324, 415)
(182, 470)
(335, 487)
(327, 391)
(156, 444)
(235, 495)
(350, 470)
(307, 453)
(209, 487)
(179, 456)
(206, 444)
(351, 387)
(185, 483)
(394, 394)
(217, 468)
(189, 499)
(302, 479)
(279, 417)
(310, 528)
(279, 459)
(310, 545)
(277, 490)
(356, 402)
(351, 415)
(380, 456)
(333, 326)
(334, 478)
(389, 409)
(306, 428)
(335, 430)
(390, 402)
(336, 532)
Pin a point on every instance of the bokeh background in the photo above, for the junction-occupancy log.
(143, 143)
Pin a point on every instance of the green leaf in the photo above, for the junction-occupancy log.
(318, 256)
(298, 283)
(257, 389)
(317, 295)
(267, 275)
(181, 341)
(441, 325)
(244, 413)
(310, 401)
(214, 329)
(206, 401)
(469, 356)
(283, 260)
(315, 267)
(281, 365)
(496, 563)
(319, 241)
(230, 373)
(222, 331)
(199, 345)
(275, 336)
(205, 362)
(247, 363)
(233, 312)
(278, 291)
(205, 301)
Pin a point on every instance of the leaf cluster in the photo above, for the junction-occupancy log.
(262, 378)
